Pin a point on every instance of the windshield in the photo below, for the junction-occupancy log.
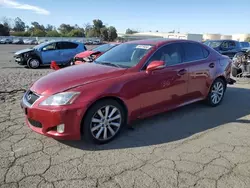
(104, 47)
(125, 55)
(40, 45)
(213, 44)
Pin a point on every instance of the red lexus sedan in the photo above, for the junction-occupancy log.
(134, 80)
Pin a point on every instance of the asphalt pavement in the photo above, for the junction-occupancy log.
(194, 146)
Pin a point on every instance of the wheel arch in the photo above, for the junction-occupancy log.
(117, 99)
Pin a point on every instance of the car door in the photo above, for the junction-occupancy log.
(166, 88)
(201, 67)
(50, 53)
(67, 51)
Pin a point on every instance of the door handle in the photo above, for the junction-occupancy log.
(182, 72)
(211, 65)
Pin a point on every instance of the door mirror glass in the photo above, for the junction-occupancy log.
(155, 65)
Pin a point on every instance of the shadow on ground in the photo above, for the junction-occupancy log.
(179, 124)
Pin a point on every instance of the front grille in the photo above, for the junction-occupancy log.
(35, 123)
(31, 97)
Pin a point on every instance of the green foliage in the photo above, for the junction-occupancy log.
(4, 31)
(21, 33)
(53, 33)
(38, 33)
(130, 31)
(248, 39)
(112, 33)
(76, 33)
(19, 25)
(97, 29)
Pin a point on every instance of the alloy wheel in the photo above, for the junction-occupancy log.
(106, 123)
(217, 92)
(34, 63)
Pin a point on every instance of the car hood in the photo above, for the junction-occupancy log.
(24, 51)
(84, 54)
(74, 76)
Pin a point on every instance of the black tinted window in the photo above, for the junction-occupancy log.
(66, 45)
(171, 54)
(193, 52)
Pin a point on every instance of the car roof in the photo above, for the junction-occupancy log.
(158, 41)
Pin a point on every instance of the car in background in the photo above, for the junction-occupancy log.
(18, 41)
(225, 47)
(5, 41)
(241, 63)
(31, 42)
(134, 80)
(60, 51)
(91, 55)
(244, 44)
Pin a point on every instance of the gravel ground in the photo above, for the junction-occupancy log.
(195, 146)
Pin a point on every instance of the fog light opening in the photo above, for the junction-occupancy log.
(60, 128)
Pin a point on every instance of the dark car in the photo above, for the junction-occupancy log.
(5, 41)
(132, 81)
(61, 52)
(225, 47)
(244, 44)
(18, 41)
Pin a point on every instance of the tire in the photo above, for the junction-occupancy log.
(221, 85)
(33, 63)
(94, 131)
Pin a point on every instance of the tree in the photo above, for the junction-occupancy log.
(49, 28)
(19, 25)
(104, 34)
(39, 33)
(248, 39)
(76, 33)
(65, 28)
(112, 33)
(97, 25)
(53, 33)
(4, 31)
(130, 31)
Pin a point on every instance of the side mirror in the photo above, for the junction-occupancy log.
(155, 65)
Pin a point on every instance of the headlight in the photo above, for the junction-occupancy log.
(60, 99)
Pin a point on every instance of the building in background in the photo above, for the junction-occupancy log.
(240, 37)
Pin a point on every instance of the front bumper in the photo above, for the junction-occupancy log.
(20, 60)
(44, 120)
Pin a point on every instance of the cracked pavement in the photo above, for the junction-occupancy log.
(194, 146)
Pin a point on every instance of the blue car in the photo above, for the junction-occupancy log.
(61, 52)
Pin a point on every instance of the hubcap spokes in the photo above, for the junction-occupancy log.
(106, 122)
(217, 92)
(34, 63)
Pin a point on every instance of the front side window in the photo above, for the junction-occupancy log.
(49, 47)
(225, 45)
(171, 54)
(193, 52)
(124, 55)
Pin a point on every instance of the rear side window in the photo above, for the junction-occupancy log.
(205, 52)
(193, 52)
(67, 45)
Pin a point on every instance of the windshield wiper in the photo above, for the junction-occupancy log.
(106, 63)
